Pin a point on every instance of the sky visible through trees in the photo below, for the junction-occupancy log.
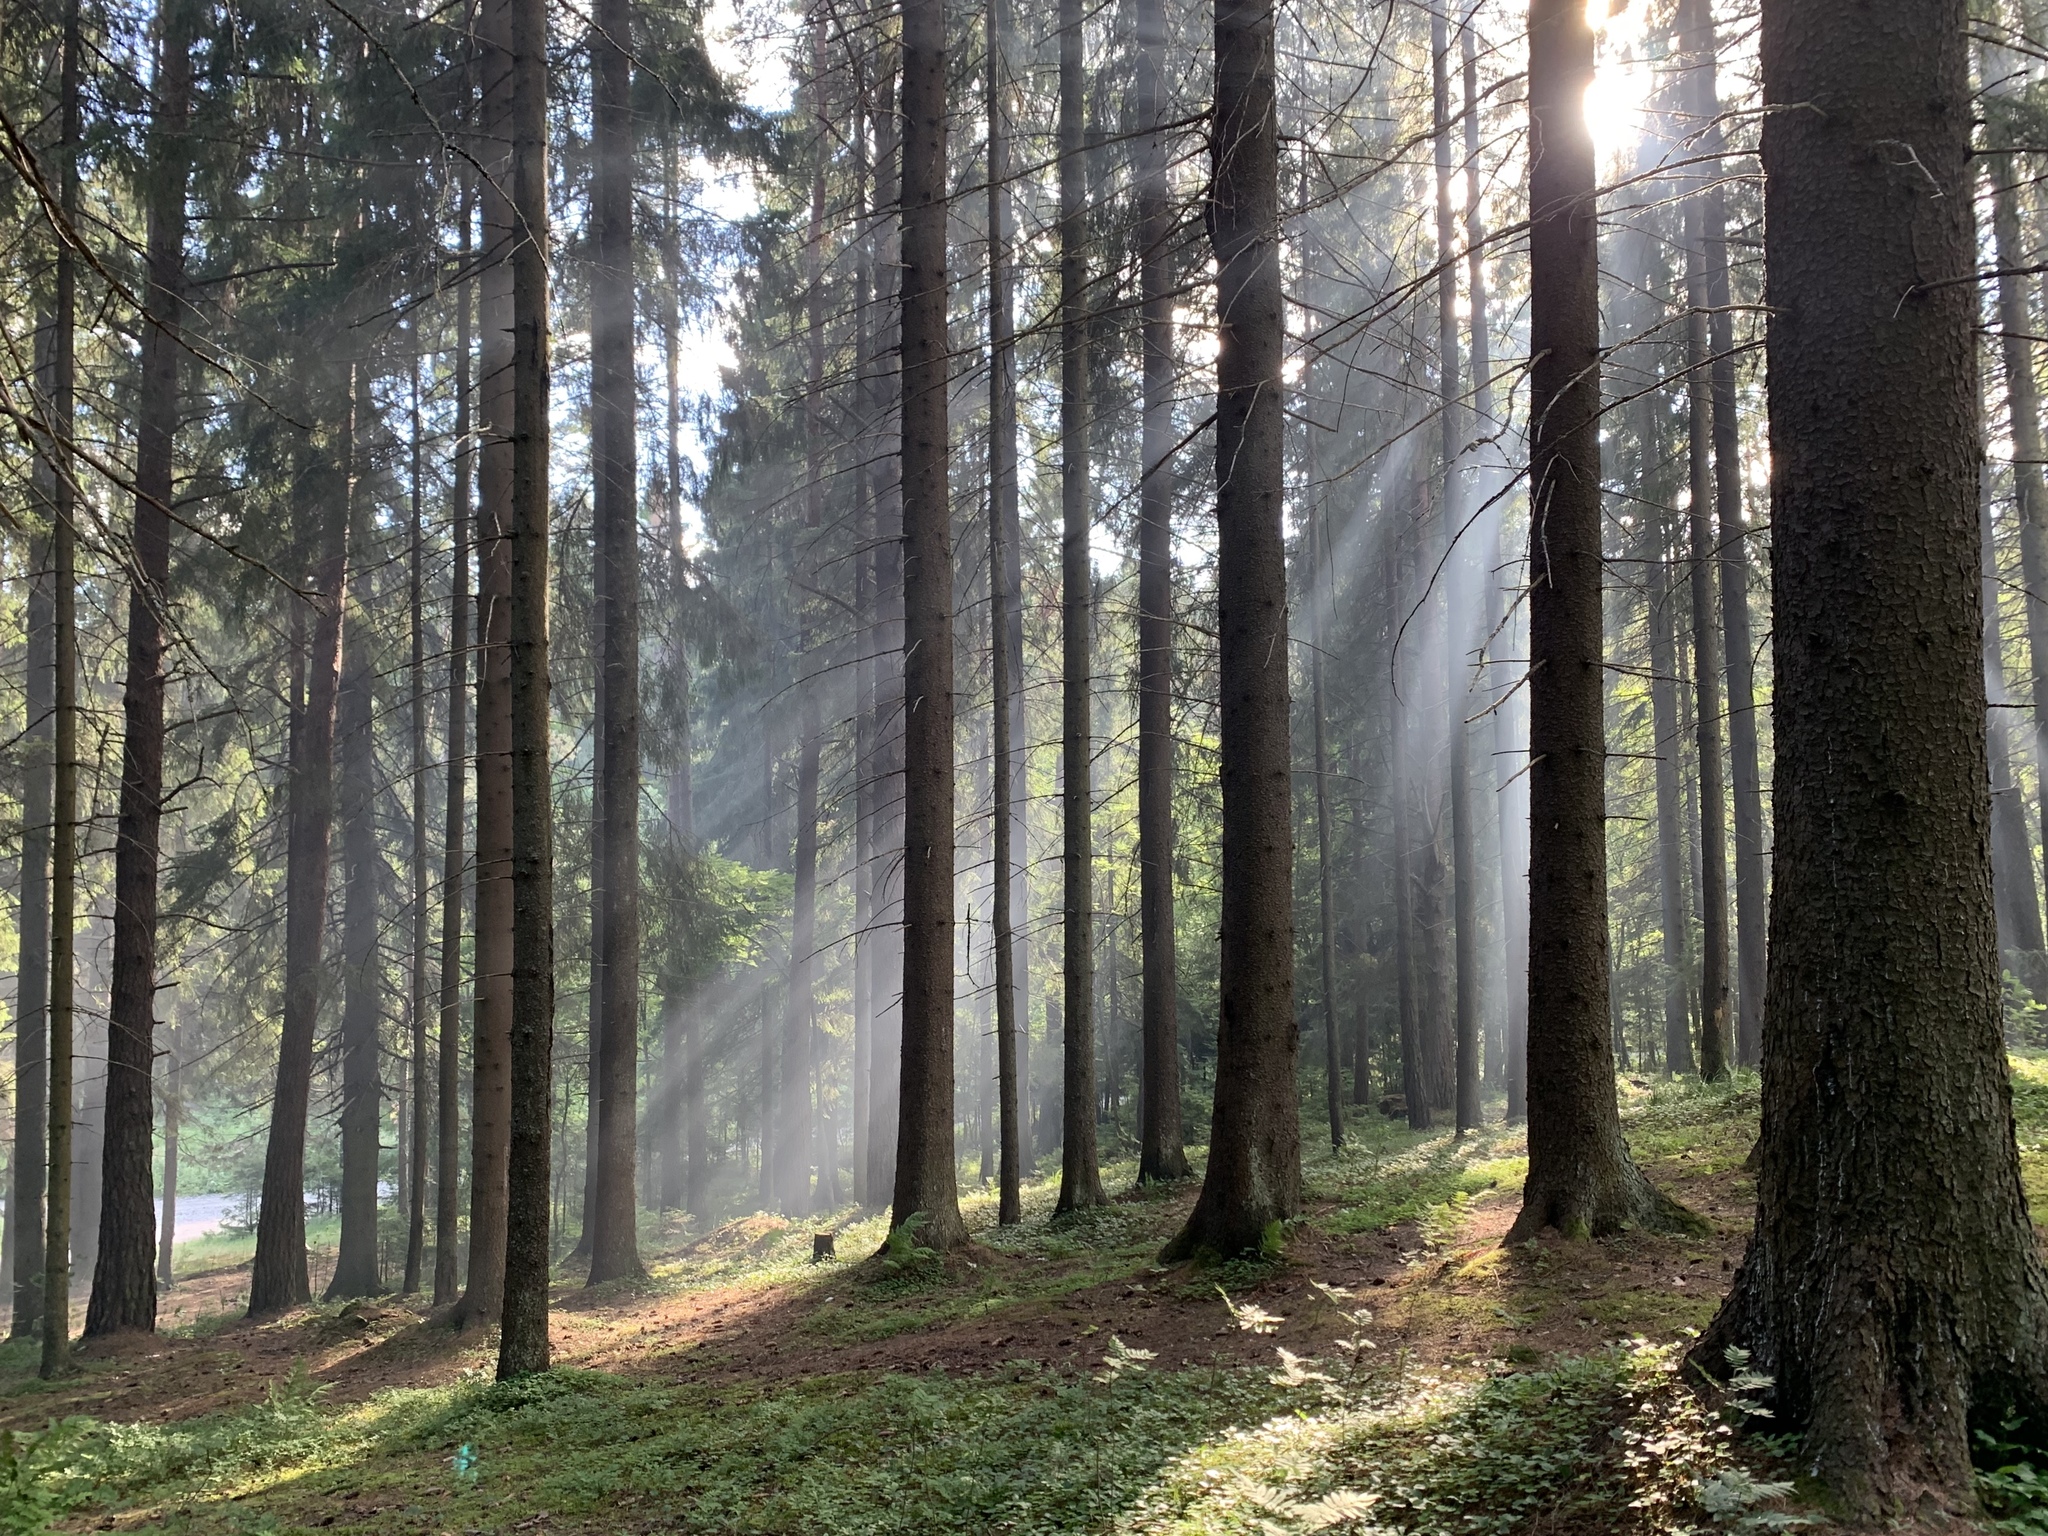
(938, 626)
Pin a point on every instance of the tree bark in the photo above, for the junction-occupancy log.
(491, 1082)
(1509, 784)
(124, 1283)
(277, 1279)
(56, 1351)
(1715, 1044)
(362, 971)
(1002, 510)
(1080, 1177)
(615, 1248)
(448, 1153)
(1677, 925)
(1326, 915)
(412, 1148)
(1581, 1179)
(1752, 914)
(1887, 1161)
(523, 1341)
(1253, 1181)
(1161, 1154)
(30, 1164)
(924, 1171)
(1457, 603)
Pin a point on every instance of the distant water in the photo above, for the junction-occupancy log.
(198, 1215)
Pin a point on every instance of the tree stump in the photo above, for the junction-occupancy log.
(822, 1246)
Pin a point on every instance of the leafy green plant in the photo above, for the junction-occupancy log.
(902, 1251)
(2010, 1486)
(36, 1481)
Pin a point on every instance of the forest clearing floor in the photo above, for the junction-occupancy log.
(1049, 1379)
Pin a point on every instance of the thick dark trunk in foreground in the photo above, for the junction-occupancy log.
(278, 1277)
(523, 1342)
(1254, 1175)
(1581, 1179)
(924, 1173)
(1887, 1156)
(448, 1086)
(124, 1280)
(1002, 512)
(614, 1240)
(491, 988)
(1160, 1151)
(1080, 1177)
(362, 1003)
(62, 422)
(30, 1163)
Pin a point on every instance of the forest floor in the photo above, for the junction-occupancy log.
(1394, 1367)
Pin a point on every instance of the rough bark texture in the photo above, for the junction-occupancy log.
(615, 1249)
(1254, 1174)
(1161, 1154)
(924, 1175)
(124, 1280)
(1002, 512)
(278, 1279)
(1080, 1176)
(1892, 1286)
(1581, 1178)
(56, 1351)
(491, 1005)
(523, 1340)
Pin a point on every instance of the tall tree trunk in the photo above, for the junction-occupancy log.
(1509, 784)
(798, 1130)
(491, 1063)
(615, 1248)
(2012, 855)
(1161, 1154)
(1320, 606)
(885, 1060)
(1887, 1160)
(1080, 1178)
(1581, 1178)
(30, 1163)
(678, 1026)
(523, 1343)
(1002, 511)
(1752, 916)
(1715, 1044)
(277, 1279)
(412, 1149)
(56, 1352)
(1407, 1001)
(362, 971)
(1677, 926)
(1457, 602)
(448, 1154)
(124, 1283)
(1254, 1175)
(925, 1180)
